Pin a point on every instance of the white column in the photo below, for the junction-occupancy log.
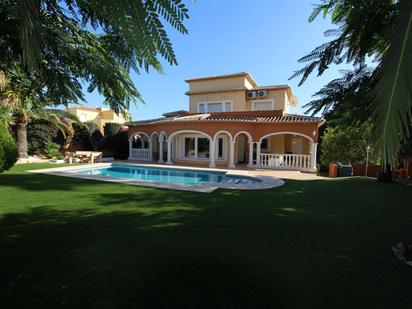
(258, 153)
(169, 152)
(130, 149)
(313, 151)
(212, 153)
(250, 164)
(232, 154)
(150, 149)
(161, 150)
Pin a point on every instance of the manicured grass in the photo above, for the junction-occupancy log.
(309, 244)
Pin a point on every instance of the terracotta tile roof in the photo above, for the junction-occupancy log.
(175, 113)
(275, 116)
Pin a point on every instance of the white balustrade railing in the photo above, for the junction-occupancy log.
(287, 161)
(141, 154)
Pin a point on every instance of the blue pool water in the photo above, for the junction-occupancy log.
(168, 175)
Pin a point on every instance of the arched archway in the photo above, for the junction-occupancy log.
(243, 148)
(286, 132)
(140, 147)
(187, 145)
(249, 136)
(223, 132)
(286, 142)
(137, 135)
(162, 147)
(154, 141)
(163, 136)
(287, 150)
(171, 136)
(224, 145)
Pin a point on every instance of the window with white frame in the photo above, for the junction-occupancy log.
(210, 107)
(190, 147)
(263, 105)
(194, 147)
(202, 148)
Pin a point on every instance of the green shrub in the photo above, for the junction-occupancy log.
(81, 136)
(52, 150)
(88, 136)
(8, 148)
(40, 133)
(349, 144)
(117, 145)
(112, 144)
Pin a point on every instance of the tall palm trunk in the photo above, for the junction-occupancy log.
(21, 124)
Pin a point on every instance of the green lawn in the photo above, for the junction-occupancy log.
(309, 244)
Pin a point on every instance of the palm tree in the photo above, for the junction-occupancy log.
(22, 97)
(49, 49)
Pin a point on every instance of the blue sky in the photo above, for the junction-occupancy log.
(263, 37)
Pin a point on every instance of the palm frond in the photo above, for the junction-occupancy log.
(57, 118)
(63, 114)
(393, 92)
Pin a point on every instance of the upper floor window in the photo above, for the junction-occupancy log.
(210, 107)
(83, 117)
(263, 105)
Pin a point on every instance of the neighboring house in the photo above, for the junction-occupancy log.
(231, 121)
(100, 116)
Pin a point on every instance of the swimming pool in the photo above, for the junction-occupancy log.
(175, 177)
(168, 175)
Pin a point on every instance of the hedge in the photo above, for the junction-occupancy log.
(8, 148)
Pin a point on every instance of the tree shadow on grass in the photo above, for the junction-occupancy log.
(42, 182)
(86, 259)
(308, 242)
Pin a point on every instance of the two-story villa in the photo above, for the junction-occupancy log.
(231, 121)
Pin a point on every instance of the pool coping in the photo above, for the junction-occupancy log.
(266, 182)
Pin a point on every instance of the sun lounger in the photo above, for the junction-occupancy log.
(89, 156)
(70, 157)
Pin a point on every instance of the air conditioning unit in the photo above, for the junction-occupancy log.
(251, 95)
(262, 93)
